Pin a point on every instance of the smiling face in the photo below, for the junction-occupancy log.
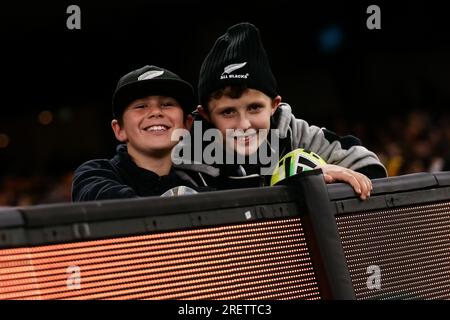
(244, 121)
(147, 125)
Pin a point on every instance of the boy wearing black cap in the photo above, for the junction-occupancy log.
(149, 104)
(237, 90)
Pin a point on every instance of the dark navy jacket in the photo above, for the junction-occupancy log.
(120, 177)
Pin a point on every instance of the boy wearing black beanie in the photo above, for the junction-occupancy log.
(238, 91)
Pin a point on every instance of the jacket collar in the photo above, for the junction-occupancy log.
(124, 160)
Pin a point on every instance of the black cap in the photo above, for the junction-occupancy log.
(152, 80)
(237, 58)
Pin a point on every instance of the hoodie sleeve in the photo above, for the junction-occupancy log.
(98, 180)
(344, 151)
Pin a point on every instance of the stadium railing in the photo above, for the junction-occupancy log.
(302, 240)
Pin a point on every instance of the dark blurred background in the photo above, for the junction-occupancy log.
(390, 87)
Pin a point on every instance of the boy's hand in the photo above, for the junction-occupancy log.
(360, 183)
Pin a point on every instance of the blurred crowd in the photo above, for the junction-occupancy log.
(416, 142)
(16, 190)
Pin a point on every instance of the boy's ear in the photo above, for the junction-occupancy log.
(189, 121)
(203, 112)
(275, 103)
(118, 131)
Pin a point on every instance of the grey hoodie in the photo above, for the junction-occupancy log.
(293, 133)
(325, 143)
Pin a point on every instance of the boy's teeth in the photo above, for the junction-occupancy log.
(156, 128)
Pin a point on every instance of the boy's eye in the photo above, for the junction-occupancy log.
(139, 106)
(227, 112)
(169, 103)
(254, 107)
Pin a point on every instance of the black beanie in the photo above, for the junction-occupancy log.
(237, 58)
(152, 80)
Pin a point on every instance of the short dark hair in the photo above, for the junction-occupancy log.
(233, 91)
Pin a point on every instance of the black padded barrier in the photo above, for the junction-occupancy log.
(241, 244)
(302, 240)
(397, 243)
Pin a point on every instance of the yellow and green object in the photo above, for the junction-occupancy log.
(295, 162)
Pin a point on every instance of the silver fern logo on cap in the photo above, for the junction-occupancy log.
(233, 67)
(150, 74)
